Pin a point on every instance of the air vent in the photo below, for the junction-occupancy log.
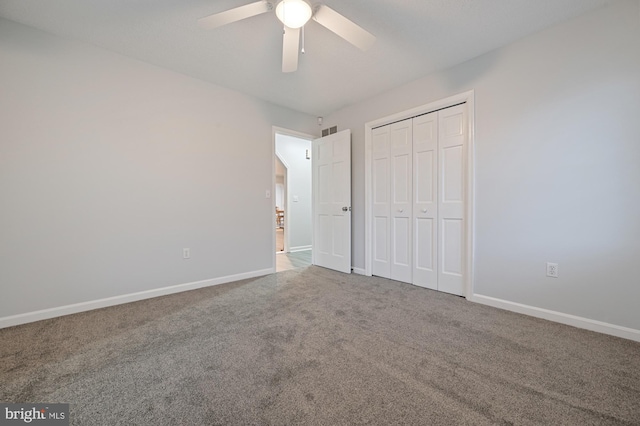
(329, 131)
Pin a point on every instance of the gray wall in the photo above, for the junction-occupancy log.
(109, 167)
(557, 164)
(298, 214)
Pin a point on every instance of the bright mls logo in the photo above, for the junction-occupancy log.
(37, 414)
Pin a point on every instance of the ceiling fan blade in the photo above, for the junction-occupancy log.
(290, 48)
(342, 26)
(232, 15)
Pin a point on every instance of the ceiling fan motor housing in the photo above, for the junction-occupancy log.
(294, 13)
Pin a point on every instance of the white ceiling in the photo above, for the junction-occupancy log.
(414, 38)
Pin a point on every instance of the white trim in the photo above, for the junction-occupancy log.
(468, 98)
(471, 194)
(572, 320)
(288, 132)
(299, 248)
(358, 271)
(10, 321)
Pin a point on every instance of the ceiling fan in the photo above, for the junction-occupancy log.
(294, 14)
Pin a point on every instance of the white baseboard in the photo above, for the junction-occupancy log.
(10, 321)
(299, 248)
(359, 271)
(575, 321)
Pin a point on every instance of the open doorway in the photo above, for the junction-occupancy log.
(292, 199)
(281, 179)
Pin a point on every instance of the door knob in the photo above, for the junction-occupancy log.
(401, 210)
(346, 209)
(424, 210)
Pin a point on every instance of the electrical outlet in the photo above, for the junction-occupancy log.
(186, 253)
(552, 270)
(267, 194)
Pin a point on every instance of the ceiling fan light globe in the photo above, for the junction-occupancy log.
(293, 13)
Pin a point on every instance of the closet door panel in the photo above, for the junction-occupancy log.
(452, 131)
(401, 151)
(425, 233)
(401, 249)
(425, 200)
(452, 250)
(381, 182)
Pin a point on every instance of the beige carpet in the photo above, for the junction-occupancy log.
(312, 346)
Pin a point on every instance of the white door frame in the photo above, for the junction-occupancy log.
(468, 98)
(286, 132)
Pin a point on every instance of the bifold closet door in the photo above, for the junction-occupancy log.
(418, 185)
(425, 196)
(452, 140)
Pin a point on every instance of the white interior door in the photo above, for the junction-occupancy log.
(425, 196)
(400, 141)
(452, 131)
(331, 164)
